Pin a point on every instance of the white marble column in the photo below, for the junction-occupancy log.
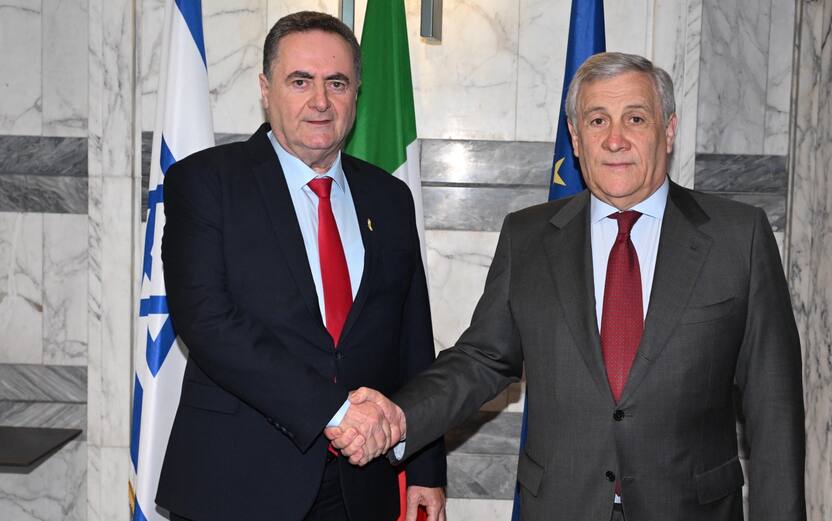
(113, 227)
(809, 241)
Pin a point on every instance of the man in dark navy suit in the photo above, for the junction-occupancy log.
(293, 274)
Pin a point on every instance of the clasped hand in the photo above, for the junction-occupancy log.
(372, 426)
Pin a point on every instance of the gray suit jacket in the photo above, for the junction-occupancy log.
(719, 319)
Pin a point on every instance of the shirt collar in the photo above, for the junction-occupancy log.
(653, 206)
(298, 174)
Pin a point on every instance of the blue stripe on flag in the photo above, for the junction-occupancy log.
(166, 158)
(192, 13)
(138, 515)
(158, 349)
(136, 429)
(154, 305)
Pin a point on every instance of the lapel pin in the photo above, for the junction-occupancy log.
(369, 224)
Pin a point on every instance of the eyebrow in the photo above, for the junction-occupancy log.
(309, 76)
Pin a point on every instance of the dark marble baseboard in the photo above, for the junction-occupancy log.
(43, 414)
(43, 156)
(43, 383)
(492, 162)
(741, 173)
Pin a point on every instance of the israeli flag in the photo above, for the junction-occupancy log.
(183, 126)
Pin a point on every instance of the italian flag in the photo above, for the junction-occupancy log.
(385, 122)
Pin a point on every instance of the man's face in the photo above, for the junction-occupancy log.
(310, 99)
(620, 138)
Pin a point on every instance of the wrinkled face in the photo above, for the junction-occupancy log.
(310, 99)
(621, 139)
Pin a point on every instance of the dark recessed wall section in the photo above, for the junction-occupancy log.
(43, 174)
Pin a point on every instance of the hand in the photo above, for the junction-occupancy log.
(364, 433)
(350, 439)
(433, 499)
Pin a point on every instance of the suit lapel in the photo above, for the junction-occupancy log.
(567, 245)
(269, 175)
(362, 198)
(682, 252)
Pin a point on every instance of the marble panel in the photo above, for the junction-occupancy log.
(458, 263)
(732, 90)
(741, 173)
(475, 476)
(95, 400)
(778, 84)
(65, 289)
(542, 40)
(113, 468)
(809, 242)
(56, 489)
(40, 414)
(629, 26)
(234, 34)
(54, 194)
(21, 286)
(20, 67)
(65, 68)
(677, 34)
(150, 55)
(38, 155)
(486, 433)
(117, 282)
(504, 162)
(43, 383)
(773, 204)
(279, 8)
(476, 208)
(466, 87)
(459, 509)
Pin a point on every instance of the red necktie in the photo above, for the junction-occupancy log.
(334, 272)
(622, 319)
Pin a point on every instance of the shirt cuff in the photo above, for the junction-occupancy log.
(339, 416)
(398, 450)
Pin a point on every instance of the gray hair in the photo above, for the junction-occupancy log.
(606, 65)
(304, 21)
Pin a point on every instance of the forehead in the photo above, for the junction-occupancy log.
(622, 90)
(314, 50)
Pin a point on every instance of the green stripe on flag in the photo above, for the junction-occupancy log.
(385, 121)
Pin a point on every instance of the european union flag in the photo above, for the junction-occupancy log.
(586, 37)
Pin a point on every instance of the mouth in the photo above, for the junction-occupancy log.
(319, 123)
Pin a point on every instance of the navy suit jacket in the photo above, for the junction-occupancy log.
(263, 377)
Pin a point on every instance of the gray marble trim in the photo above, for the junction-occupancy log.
(43, 156)
(503, 162)
(475, 209)
(473, 476)
(486, 433)
(44, 414)
(741, 173)
(773, 204)
(43, 383)
(43, 194)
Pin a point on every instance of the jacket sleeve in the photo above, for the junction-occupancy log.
(770, 377)
(229, 345)
(486, 358)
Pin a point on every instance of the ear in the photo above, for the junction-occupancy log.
(573, 133)
(264, 89)
(670, 132)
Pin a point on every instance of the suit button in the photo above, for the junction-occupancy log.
(339, 355)
(618, 415)
(610, 475)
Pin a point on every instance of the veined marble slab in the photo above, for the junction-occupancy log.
(43, 383)
(43, 156)
(43, 194)
(741, 173)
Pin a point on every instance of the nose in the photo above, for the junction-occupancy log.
(319, 100)
(615, 139)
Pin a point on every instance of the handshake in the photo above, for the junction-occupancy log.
(372, 426)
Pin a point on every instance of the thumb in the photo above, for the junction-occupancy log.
(360, 395)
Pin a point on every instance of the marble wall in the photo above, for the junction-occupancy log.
(810, 240)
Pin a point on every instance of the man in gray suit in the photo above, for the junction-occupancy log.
(639, 339)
